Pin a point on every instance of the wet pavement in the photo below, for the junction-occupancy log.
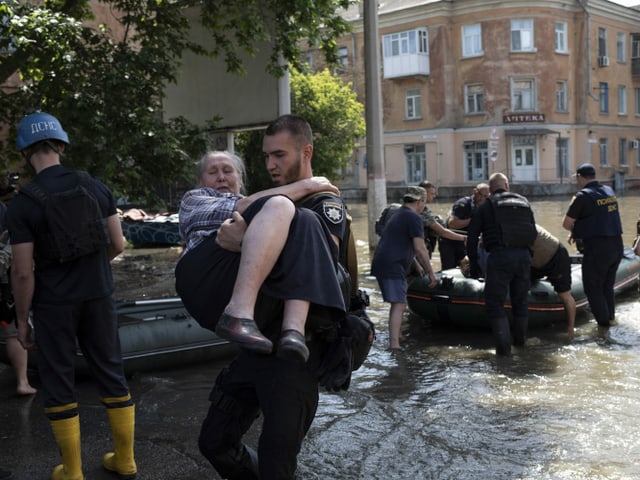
(170, 406)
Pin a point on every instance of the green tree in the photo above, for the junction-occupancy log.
(106, 85)
(336, 118)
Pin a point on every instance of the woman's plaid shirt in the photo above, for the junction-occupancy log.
(202, 211)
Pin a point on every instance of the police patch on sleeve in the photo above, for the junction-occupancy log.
(333, 211)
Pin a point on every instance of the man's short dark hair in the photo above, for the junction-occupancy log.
(297, 126)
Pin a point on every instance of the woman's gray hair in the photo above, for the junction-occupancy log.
(238, 163)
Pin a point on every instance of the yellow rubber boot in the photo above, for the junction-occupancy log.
(121, 461)
(67, 435)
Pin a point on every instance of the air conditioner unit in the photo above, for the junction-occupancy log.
(603, 61)
(635, 144)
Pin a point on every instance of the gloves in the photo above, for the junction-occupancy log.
(334, 372)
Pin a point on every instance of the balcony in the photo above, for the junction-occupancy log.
(406, 65)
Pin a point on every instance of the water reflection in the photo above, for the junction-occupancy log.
(447, 408)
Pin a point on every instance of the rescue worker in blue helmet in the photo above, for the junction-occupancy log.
(68, 288)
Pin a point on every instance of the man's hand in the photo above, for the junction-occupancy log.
(24, 335)
(231, 233)
(322, 184)
(433, 279)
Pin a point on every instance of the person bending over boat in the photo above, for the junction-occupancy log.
(219, 287)
(432, 224)
(401, 246)
(451, 251)
(551, 259)
(507, 226)
(594, 218)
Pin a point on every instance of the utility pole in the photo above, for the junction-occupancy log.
(376, 182)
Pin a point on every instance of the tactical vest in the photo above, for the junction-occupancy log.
(75, 225)
(605, 221)
(513, 226)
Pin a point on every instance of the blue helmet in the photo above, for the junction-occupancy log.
(37, 127)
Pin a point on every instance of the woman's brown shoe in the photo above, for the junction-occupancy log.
(243, 331)
(292, 347)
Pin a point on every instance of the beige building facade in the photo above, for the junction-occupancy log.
(528, 88)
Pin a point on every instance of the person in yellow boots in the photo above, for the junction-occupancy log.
(64, 231)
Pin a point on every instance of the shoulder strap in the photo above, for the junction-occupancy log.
(35, 192)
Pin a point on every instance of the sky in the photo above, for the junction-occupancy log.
(627, 3)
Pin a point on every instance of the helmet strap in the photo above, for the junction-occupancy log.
(41, 146)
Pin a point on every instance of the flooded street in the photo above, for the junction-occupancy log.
(443, 408)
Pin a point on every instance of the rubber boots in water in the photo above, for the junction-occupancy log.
(67, 435)
(121, 461)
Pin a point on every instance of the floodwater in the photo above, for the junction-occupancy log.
(443, 408)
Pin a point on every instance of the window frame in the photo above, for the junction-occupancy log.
(527, 25)
(477, 97)
(603, 97)
(603, 145)
(562, 96)
(413, 99)
(561, 37)
(415, 153)
(517, 96)
(623, 157)
(406, 42)
(472, 39)
(602, 42)
(622, 100)
(621, 47)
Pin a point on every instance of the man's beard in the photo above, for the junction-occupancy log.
(290, 176)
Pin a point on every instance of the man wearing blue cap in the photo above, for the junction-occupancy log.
(594, 218)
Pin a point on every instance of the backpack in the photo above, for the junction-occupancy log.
(385, 215)
(76, 226)
(514, 220)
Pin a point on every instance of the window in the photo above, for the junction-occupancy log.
(472, 40)
(343, 59)
(473, 95)
(562, 158)
(621, 47)
(406, 43)
(602, 42)
(637, 150)
(636, 92)
(635, 46)
(604, 152)
(562, 104)
(523, 95)
(622, 100)
(604, 97)
(522, 35)
(412, 104)
(561, 37)
(622, 152)
(476, 164)
(415, 160)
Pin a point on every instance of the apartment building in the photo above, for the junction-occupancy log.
(528, 88)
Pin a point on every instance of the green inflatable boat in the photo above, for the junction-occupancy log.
(457, 300)
(156, 335)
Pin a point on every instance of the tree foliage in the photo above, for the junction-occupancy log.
(336, 118)
(106, 83)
